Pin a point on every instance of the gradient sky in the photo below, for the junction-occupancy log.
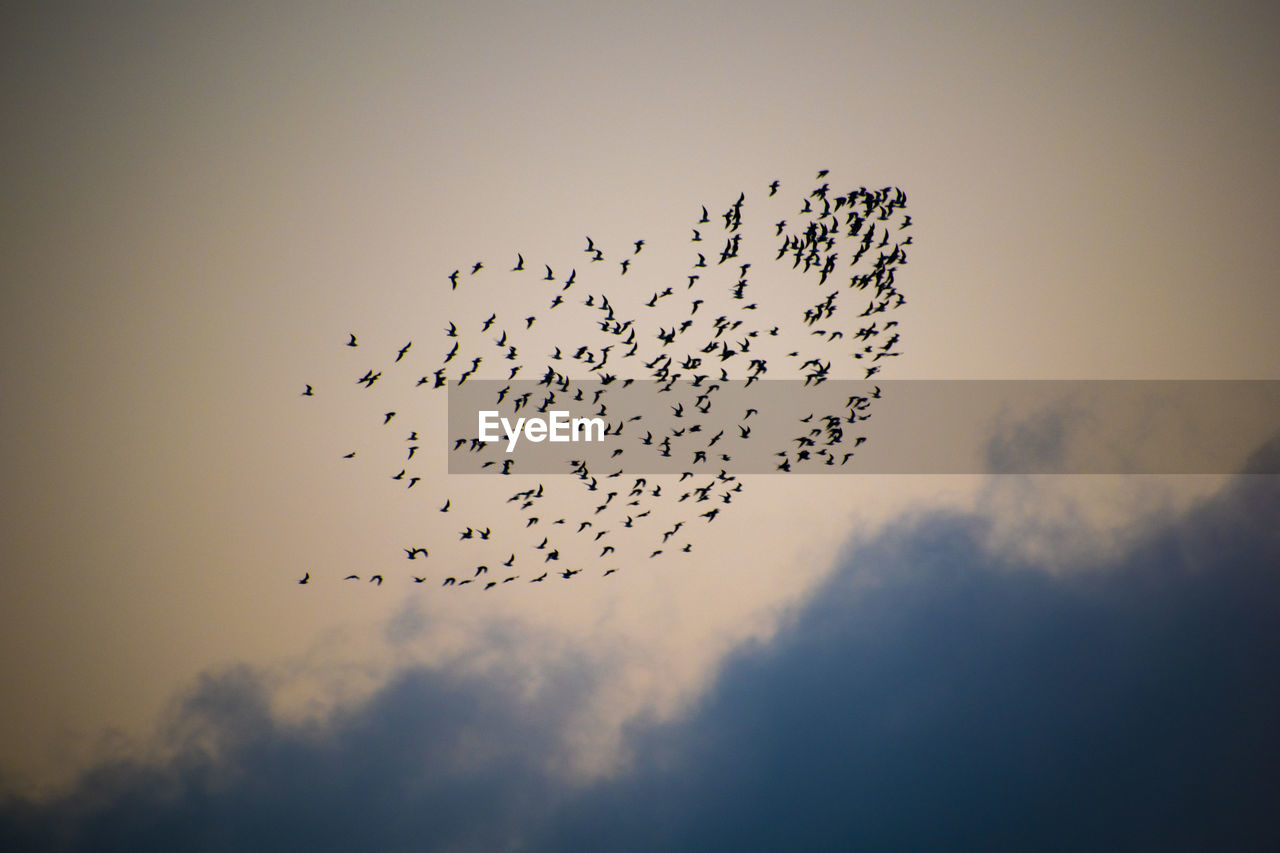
(202, 201)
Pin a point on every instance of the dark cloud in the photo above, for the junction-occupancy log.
(432, 762)
(928, 696)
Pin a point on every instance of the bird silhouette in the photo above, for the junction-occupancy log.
(772, 304)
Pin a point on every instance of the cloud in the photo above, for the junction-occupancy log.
(422, 765)
(929, 695)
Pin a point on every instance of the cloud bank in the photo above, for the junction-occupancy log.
(929, 695)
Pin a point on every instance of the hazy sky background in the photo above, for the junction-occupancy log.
(201, 201)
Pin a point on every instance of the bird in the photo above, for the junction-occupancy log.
(305, 577)
(818, 231)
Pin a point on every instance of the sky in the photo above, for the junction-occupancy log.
(203, 202)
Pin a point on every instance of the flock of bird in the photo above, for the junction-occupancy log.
(680, 365)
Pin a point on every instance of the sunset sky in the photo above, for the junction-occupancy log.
(202, 201)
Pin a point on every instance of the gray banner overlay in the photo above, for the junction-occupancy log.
(862, 427)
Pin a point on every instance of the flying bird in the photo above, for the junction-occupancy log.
(784, 285)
